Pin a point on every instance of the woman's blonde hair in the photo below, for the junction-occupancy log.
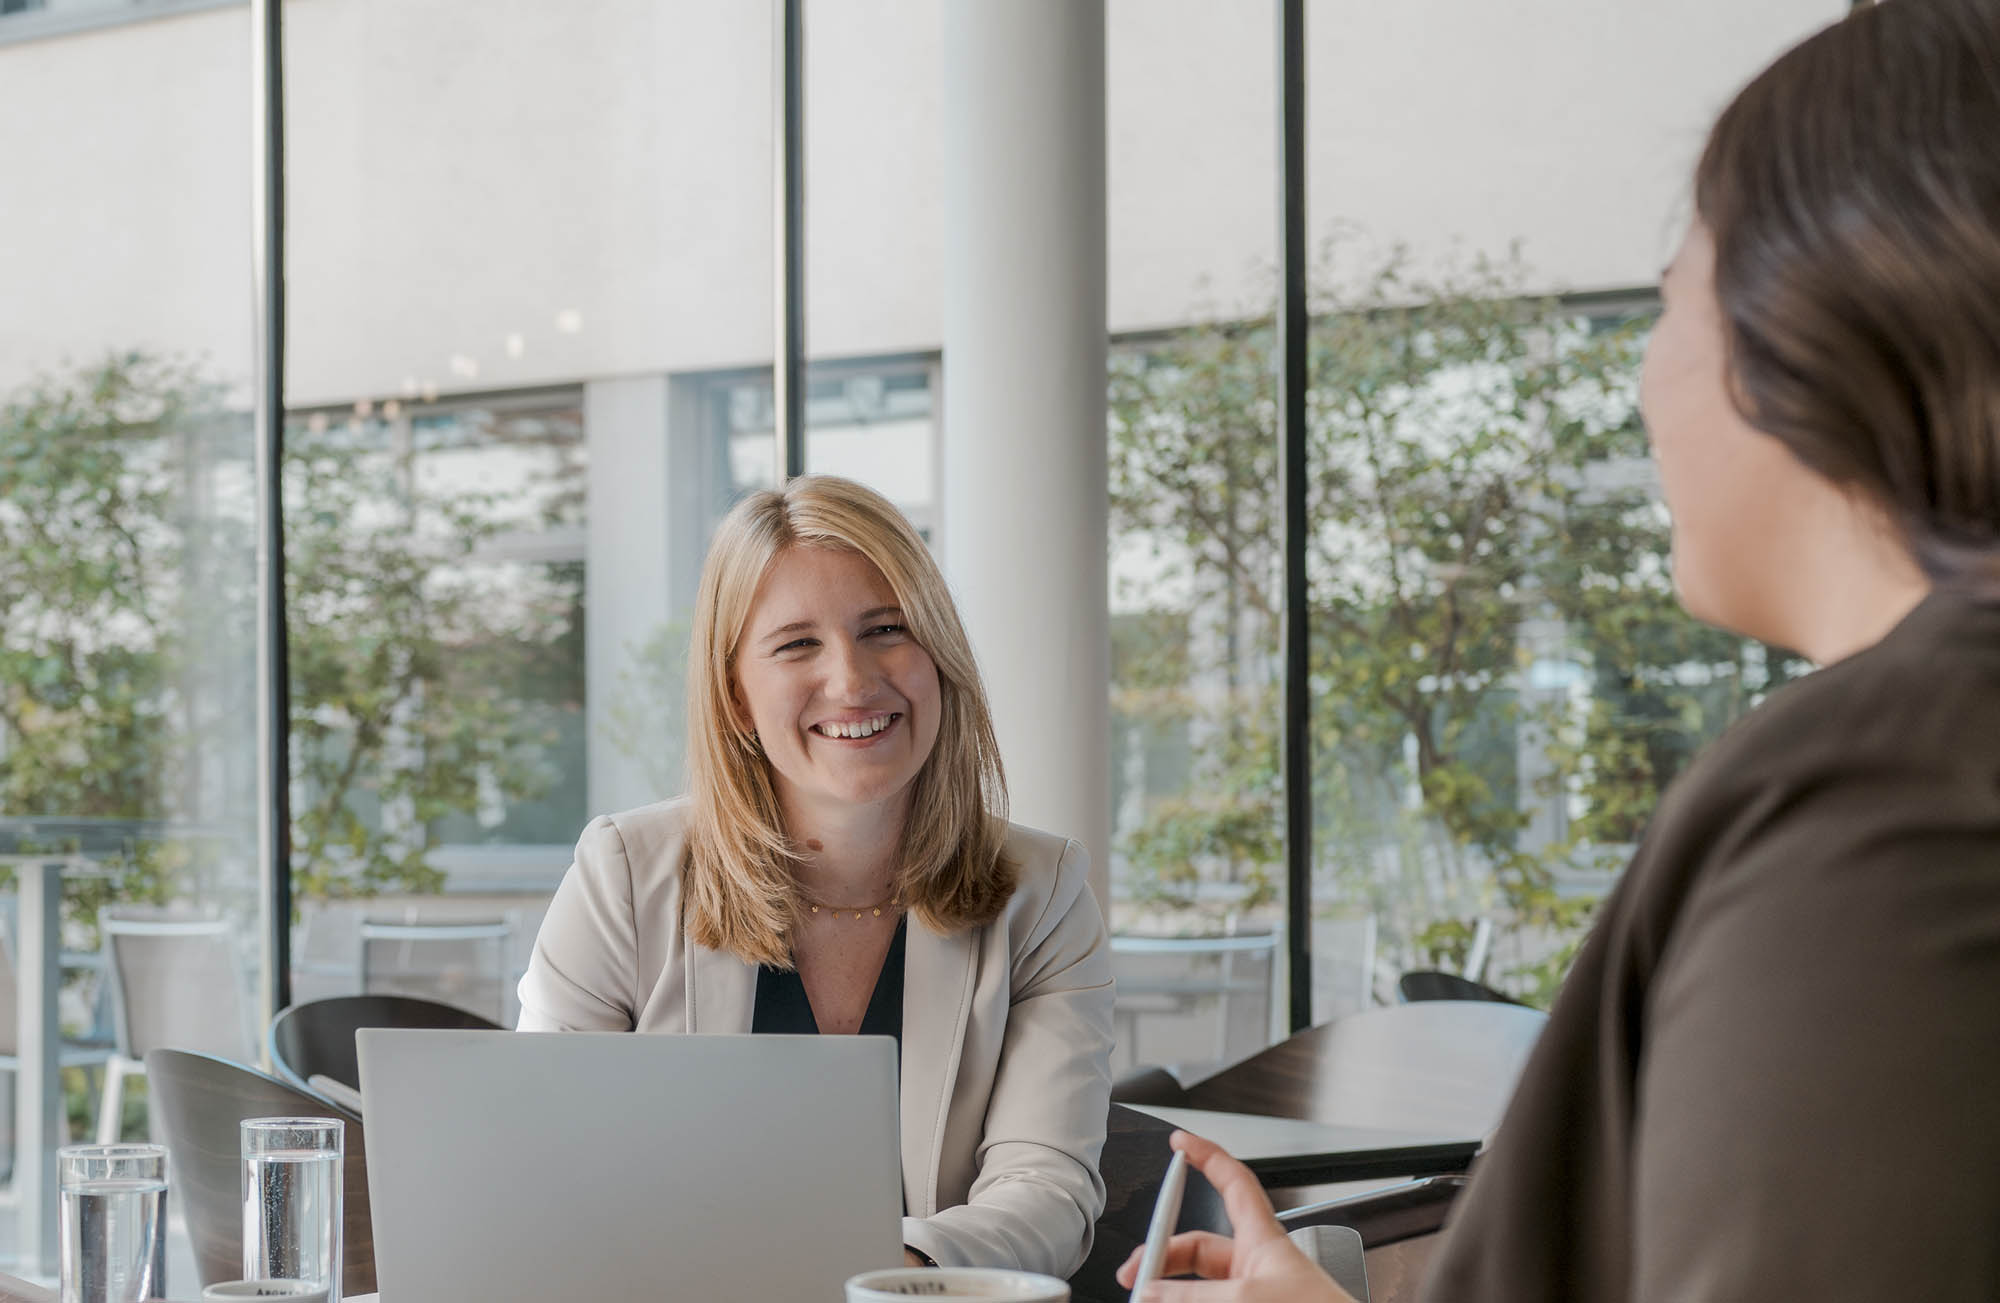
(741, 893)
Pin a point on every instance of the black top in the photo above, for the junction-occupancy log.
(782, 1006)
(1771, 1074)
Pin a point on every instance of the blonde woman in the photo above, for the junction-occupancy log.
(842, 863)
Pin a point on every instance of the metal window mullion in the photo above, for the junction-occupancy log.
(273, 695)
(1293, 326)
(788, 365)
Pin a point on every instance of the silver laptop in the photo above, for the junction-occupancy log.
(515, 1165)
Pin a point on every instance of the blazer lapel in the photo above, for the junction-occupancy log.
(721, 990)
(937, 999)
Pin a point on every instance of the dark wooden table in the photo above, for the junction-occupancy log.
(1281, 1081)
(1439, 1067)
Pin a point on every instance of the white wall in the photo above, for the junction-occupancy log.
(462, 173)
(125, 195)
(466, 171)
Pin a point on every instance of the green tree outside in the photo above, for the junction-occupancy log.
(126, 614)
(1501, 680)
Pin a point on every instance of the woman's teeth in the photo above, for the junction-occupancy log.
(857, 728)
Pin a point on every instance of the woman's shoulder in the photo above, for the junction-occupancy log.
(1923, 701)
(1828, 783)
(1044, 857)
(1050, 873)
(647, 842)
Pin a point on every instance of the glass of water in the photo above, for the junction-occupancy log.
(114, 1222)
(291, 1200)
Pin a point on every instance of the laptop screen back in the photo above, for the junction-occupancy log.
(615, 1166)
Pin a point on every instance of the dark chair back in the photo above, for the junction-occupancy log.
(1134, 1162)
(199, 1102)
(317, 1038)
(1398, 1226)
(1429, 984)
(1150, 1085)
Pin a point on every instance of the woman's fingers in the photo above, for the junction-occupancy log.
(1197, 1291)
(1249, 1209)
(1263, 1266)
(1202, 1252)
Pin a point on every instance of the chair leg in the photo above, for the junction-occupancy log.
(111, 1104)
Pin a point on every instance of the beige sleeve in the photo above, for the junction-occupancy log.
(584, 969)
(1038, 1195)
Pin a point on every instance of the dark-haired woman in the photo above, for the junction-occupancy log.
(1774, 1073)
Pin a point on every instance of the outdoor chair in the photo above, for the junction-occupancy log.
(1343, 966)
(316, 1039)
(75, 1054)
(1206, 999)
(176, 983)
(326, 949)
(459, 962)
(200, 1102)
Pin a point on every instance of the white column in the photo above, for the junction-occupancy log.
(1024, 379)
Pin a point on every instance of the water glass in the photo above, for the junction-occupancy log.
(114, 1222)
(291, 1200)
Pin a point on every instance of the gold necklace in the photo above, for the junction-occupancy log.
(874, 911)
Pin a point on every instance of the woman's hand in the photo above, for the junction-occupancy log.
(1260, 1265)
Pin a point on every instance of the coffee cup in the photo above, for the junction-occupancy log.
(297, 1291)
(955, 1283)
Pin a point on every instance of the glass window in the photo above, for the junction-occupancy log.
(507, 287)
(873, 85)
(867, 421)
(1502, 681)
(438, 558)
(128, 746)
(1197, 865)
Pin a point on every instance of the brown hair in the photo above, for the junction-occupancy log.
(1853, 193)
(741, 893)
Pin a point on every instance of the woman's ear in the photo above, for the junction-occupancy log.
(739, 710)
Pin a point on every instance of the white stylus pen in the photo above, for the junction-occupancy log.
(1166, 1214)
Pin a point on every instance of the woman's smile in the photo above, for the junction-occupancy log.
(856, 730)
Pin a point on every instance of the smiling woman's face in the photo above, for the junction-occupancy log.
(844, 701)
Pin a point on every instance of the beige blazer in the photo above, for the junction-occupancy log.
(1006, 1067)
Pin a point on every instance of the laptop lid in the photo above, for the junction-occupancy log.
(581, 1165)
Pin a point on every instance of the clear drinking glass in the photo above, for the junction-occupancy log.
(291, 1200)
(114, 1222)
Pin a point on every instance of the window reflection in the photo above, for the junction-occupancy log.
(872, 422)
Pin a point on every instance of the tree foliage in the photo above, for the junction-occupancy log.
(127, 623)
(93, 603)
(1492, 626)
